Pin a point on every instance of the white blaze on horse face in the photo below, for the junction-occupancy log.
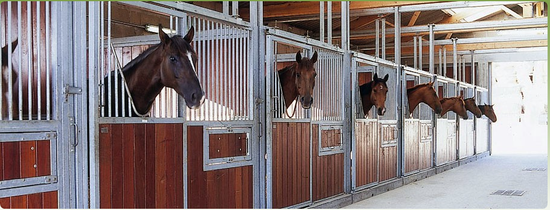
(191, 61)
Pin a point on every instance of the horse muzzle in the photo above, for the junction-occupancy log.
(196, 100)
(381, 111)
(306, 102)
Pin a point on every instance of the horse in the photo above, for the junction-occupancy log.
(374, 93)
(455, 104)
(5, 97)
(170, 63)
(423, 93)
(488, 111)
(298, 80)
(471, 106)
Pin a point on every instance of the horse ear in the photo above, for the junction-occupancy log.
(164, 38)
(386, 78)
(189, 36)
(298, 57)
(314, 57)
(375, 76)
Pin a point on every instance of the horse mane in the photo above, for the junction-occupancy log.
(415, 88)
(287, 68)
(451, 98)
(128, 68)
(366, 88)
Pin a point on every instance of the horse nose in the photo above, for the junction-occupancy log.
(198, 97)
(381, 111)
(438, 110)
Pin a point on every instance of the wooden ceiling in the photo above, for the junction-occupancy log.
(303, 18)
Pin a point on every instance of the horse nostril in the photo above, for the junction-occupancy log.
(302, 99)
(311, 101)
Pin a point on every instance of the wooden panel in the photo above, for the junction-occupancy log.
(31, 201)
(331, 138)
(227, 145)
(328, 170)
(388, 162)
(366, 149)
(466, 138)
(482, 136)
(135, 171)
(24, 159)
(12, 160)
(224, 188)
(412, 144)
(364, 77)
(290, 164)
(425, 148)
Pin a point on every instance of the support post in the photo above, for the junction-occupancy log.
(455, 61)
(400, 76)
(431, 50)
(322, 21)
(377, 42)
(329, 22)
(383, 22)
(347, 95)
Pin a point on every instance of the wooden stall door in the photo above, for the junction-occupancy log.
(222, 188)
(328, 170)
(366, 149)
(412, 145)
(291, 163)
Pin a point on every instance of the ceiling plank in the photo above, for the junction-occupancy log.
(510, 12)
(414, 18)
(362, 21)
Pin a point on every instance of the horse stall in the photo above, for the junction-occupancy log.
(174, 156)
(446, 125)
(374, 148)
(466, 129)
(482, 125)
(40, 143)
(418, 135)
(305, 147)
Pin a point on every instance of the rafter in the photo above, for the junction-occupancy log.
(414, 18)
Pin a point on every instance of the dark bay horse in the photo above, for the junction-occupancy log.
(488, 111)
(170, 63)
(298, 80)
(455, 104)
(471, 106)
(5, 96)
(374, 93)
(423, 93)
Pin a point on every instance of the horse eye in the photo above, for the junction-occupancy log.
(172, 58)
(297, 74)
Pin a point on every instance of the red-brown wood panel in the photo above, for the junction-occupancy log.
(50, 200)
(30, 201)
(366, 149)
(227, 145)
(135, 157)
(388, 162)
(290, 167)
(28, 159)
(328, 169)
(224, 188)
(43, 158)
(5, 203)
(12, 160)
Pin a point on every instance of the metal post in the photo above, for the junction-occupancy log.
(322, 21)
(377, 42)
(225, 5)
(415, 53)
(455, 61)
(384, 38)
(329, 22)
(440, 69)
(473, 72)
(235, 8)
(420, 52)
(347, 139)
(399, 70)
(93, 43)
(444, 73)
(431, 50)
(463, 73)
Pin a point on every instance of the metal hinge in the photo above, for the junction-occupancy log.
(71, 90)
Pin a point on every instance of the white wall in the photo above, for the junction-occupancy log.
(517, 132)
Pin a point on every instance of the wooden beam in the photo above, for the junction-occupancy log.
(312, 8)
(362, 21)
(414, 18)
(510, 12)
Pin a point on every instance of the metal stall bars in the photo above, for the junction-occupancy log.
(218, 137)
(300, 147)
(418, 128)
(42, 122)
(374, 150)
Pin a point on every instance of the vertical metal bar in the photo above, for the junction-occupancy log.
(48, 88)
(19, 78)
(211, 69)
(39, 65)
(235, 8)
(444, 73)
(463, 69)
(106, 47)
(225, 5)
(431, 51)
(440, 65)
(455, 61)
(400, 142)
(329, 22)
(101, 59)
(224, 81)
(9, 82)
(322, 21)
(377, 41)
(231, 75)
(473, 72)
(1, 75)
(93, 101)
(420, 52)
(415, 53)
(218, 70)
(383, 24)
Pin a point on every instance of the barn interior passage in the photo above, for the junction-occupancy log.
(286, 119)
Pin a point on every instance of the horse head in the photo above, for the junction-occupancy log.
(471, 106)
(178, 67)
(423, 93)
(379, 92)
(304, 79)
(488, 111)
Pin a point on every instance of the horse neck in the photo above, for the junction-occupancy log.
(144, 83)
(446, 106)
(286, 77)
(415, 98)
(366, 92)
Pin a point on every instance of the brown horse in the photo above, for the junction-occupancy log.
(298, 80)
(455, 104)
(488, 111)
(170, 63)
(423, 93)
(471, 106)
(374, 93)
(5, 96)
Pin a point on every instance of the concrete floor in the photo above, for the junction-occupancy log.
(470, 186)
